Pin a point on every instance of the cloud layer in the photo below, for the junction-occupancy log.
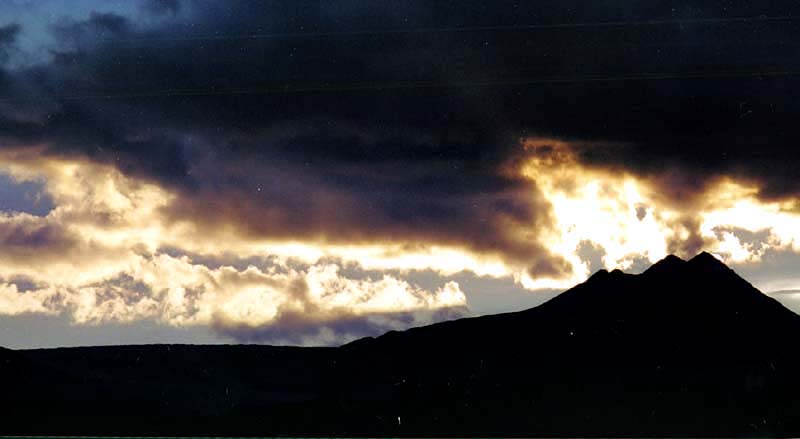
(209, 166)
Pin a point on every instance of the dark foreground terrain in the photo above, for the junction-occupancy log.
(686, 348)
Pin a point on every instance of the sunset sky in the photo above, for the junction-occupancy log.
(296, 172)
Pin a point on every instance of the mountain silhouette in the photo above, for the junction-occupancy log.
(686, 348)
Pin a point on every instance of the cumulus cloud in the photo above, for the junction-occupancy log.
(325, 308)
(109, 253)
(276, 304)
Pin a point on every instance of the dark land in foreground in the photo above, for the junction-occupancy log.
(685, 348)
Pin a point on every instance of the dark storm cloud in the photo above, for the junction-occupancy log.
(354, 121)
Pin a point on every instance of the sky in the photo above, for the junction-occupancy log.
(298, 172)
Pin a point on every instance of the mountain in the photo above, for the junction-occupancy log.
(687, 348)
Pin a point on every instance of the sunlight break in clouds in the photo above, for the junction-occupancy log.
(629, 218)
(609, 210)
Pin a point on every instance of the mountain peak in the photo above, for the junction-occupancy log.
(710, 265)
(671, 260)
(699, 290)
(703, 261)
(706, 259)
(670, 263)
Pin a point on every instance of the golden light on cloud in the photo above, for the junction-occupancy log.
(103, 262)
(629, 218)
(780, 226)
(614, 211)
(108, 252)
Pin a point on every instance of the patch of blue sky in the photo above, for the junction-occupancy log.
(24, 196)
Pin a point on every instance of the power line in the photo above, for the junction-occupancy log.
(459, 29)
(396, 85)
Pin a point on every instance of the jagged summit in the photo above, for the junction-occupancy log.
(702, 262)
(706, 256)
(672, 264)
(671, 259)
(669, 264)
(708, 262)
(599, 274)
(704, 273)
(604, 275)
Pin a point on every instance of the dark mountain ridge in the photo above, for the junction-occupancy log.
(686, 348)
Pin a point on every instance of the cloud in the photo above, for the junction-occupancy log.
(13, 301)
(273, 304)
(622, 217)
(282, 174)
(97, 257)
(326, 308)
(113, 250)
(390, 169)
(419, 164)
(307, 136)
